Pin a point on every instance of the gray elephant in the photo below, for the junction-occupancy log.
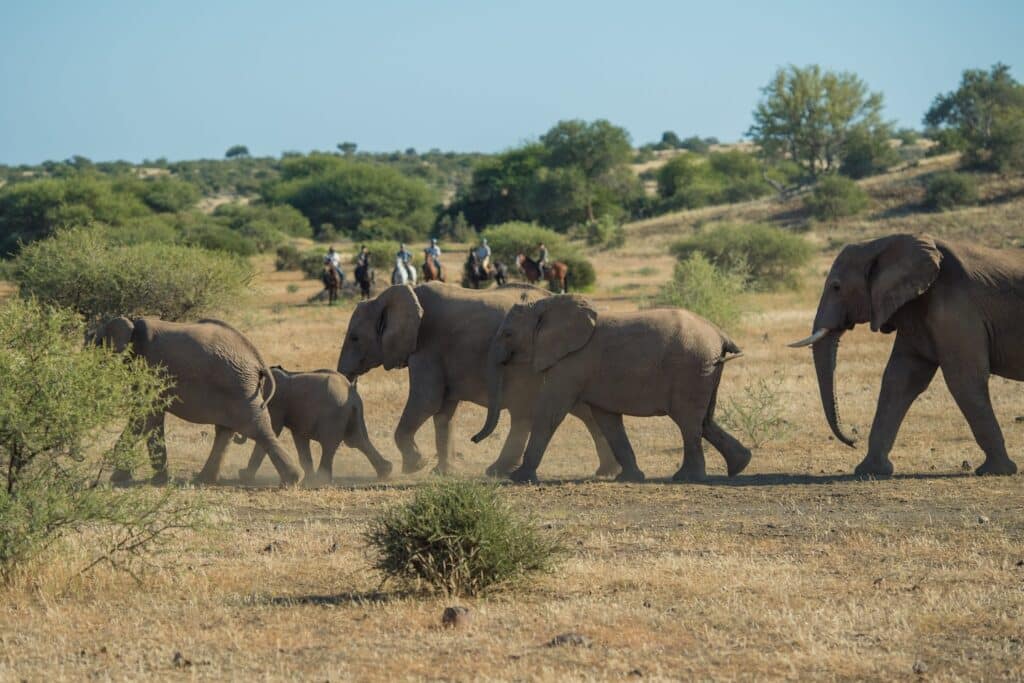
(218, 378)
(657, 362)
(317, 406)
(951, 305)
(443, 333)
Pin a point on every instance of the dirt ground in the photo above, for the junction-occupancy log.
(793, 570)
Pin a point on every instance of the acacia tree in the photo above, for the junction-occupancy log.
(984, 118)
(809, 115)
(236, 151)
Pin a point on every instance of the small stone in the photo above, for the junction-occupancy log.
(574, 639)
(456, 617)
(273, 547)
(180, 661)
(333, 548)
(965, 465)
(1020, 563)
(982, 519)
(920, 667)
(636, 673)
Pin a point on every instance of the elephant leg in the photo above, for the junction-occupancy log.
(153, 428)
(969, 387)
(906, 376)
(613, 430)
(548, 415)
(262, 432)
(693, 467)
(737, 456)
(608, 463)
(426, 399)
(248, 474)
(512, 450)
(358, 438)
(211, 470)
(443, 437)
(305, 455)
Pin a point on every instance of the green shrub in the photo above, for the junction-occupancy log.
(288, 258)
(80, 268)
(509, 239)
(835, 197)
(949, 190)
(459, 538)
(698, 286)
(690, 182)
(770, 256)
(755, 412)
(165, 194)
(57, 398)
(605, 232)
(582, 276)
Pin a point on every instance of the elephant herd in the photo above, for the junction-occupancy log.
(542, 356)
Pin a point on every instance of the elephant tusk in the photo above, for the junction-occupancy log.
(818, 334)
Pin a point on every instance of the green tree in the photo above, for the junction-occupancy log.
(236, 151)
(347, 148)
(984, 118)
(808, 115)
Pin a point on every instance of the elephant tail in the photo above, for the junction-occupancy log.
(266, 376)
(729, 347)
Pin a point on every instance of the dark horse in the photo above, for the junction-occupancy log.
(475, 273)
(556, 273)
(332, 282)
(365, 277)
(431, 271)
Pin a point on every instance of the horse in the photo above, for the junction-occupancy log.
(365, 277)
(431, 271)
(475, 273)
(402, 275)
(332, 282)
(557, 273)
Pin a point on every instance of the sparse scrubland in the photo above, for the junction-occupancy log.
(792, 570)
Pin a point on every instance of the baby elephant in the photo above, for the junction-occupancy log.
(317, 406)
(658, 362)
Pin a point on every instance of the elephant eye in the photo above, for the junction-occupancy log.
(354, 338)
(835, 285)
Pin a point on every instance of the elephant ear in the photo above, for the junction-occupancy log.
(565, 324)
(904, 270)
(116, 333)
(398, 324)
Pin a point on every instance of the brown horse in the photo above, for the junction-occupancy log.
(332, 283)
(557, 272)
(431, 271)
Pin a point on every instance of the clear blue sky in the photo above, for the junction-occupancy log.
(146, 78)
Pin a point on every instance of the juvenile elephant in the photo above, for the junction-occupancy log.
(952, 305)
(218, 378)
(442, 333)
(317, 406)
(658, 362)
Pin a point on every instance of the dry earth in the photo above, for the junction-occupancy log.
(793, 570)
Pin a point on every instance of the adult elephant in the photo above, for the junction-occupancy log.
(952, 305)
(442, 333)
(660, 362)
(217, 377)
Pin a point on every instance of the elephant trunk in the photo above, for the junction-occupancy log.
(495, 388)
(825, 351)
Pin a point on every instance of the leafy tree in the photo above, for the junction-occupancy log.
(695, 144)
(669, 140)
(236, 151)
(808, 115)
(984, 118)
(835, 197)
(867, 153)
(347, 148)
(769, 257)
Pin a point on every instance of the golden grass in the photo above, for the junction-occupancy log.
(793, 570)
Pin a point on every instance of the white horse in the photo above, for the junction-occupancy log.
(402, 275)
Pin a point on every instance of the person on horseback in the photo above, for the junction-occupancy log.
(334, 259)
(363, 259)
(434, 252)
(483, 255)
(404, 257)
(542, 259)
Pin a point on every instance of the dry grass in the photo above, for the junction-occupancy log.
(792, 571)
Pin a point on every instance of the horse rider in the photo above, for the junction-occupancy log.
(434, 252)
(483, 255)
(363, 259)
(334, 259)
(542, 258)
(404, 257)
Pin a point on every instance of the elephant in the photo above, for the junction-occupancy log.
(317, 406)
(655, 362)
(442, 332)
(218, 377)
(952, 305)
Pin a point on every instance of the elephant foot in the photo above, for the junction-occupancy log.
(441, 469)
(991, 466)
(384, 471)
(690, 475)
(316, 479)
(611, 470)
(290, 477)
(524, 476)
(499, 470)
(247, 476)
(738, 462)
(204, 479)
(409, 467)
(874, 468)
(121, 477)
(160, 478)
(631, 476)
